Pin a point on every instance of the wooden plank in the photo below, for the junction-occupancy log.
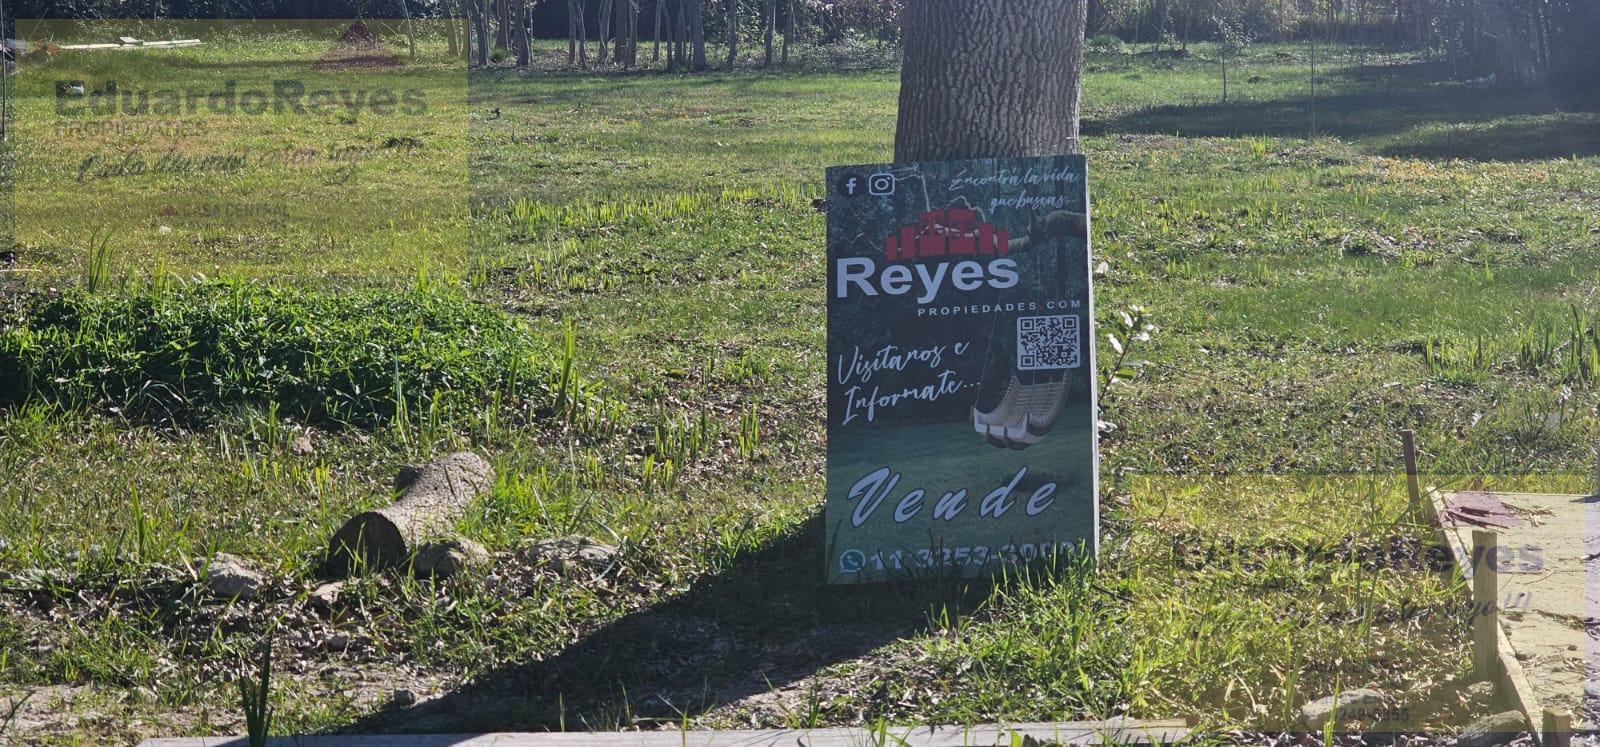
(1451, 539)
(1511, 678)
(1115, 731)
(1514, 681)
(1485, 605)
(1557, 728)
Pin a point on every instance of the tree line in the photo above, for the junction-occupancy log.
(1522, 40)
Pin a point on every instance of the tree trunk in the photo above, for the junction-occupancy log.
(572, 32)
(990, 79)
(502, 36)
(633, 33)
(411, 31)
(583, 33)
(788, 34)
(520, 33)
(661, 11)
(769, 28)
(697, 31)
(733, 33)
(480, 27)
(680, 35)
(450, 31)
(601, 54)
(435, 496)
(619, 19)
(672, 36)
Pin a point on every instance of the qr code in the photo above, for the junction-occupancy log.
(1048, 342)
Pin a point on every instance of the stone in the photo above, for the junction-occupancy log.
(403, 698)
(337, 642)
(302, 445)
(230, 577)
(324, 597)
(1480, 694)
(1360, 704)
(1500, 728)
(572, 552)
(449, 557)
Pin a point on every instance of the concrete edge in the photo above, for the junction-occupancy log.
(1115, 731)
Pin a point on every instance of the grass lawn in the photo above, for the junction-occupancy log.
(630, 322)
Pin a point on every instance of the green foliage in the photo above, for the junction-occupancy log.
(1454, 361)
(255, 700)
(1107, 44)
(197, 350)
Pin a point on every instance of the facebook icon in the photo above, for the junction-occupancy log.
(852, 185)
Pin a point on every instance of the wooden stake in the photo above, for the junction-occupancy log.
(1408, 443)
(1485, 607)
(1557, 728)
(1597, 467)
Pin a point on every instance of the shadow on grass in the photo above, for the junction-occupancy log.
(1407, 111)
(764, 623)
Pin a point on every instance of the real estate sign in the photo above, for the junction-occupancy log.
(961, 391)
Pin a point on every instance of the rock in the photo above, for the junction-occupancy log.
(572, 552)
(1350, 705)
(229, 577)
(403, 698)
(1479, 695)
(449, 557)
(1500, 728)
(324, 597)
(302, 445)
(337, 642)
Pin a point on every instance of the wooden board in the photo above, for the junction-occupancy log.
(1523, 642)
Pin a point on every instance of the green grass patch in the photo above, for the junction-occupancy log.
(188, 352)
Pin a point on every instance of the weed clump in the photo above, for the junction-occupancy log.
(188, 352)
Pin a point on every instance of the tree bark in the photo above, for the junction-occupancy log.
(990, 79)
(435, 496)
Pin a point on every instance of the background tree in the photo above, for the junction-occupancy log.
(1232, 42)
(732, 34)
(697, 30)
(788, 34)
(769, 27)
(990, 78)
